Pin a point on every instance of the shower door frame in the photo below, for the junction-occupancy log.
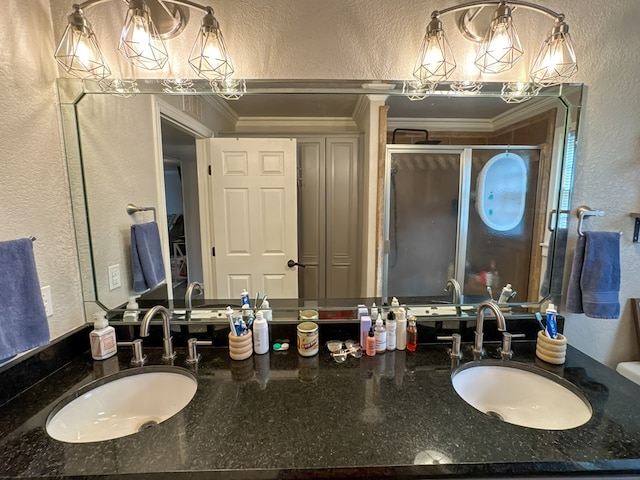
(465, 153)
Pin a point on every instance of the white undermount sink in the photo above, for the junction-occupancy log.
(522, 395)
(122, 404)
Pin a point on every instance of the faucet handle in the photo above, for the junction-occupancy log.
(193, 357)
(505, 350)
(454, 351)
(138, 359)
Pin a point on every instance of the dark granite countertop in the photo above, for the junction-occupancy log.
(282, 416)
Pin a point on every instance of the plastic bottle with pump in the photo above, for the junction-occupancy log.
(131, 313)
(102, 338)
(412, 334)
(260, 334)
(505, 294)
(391, 331)
(266, 310)
(381, 335)
(401, 330)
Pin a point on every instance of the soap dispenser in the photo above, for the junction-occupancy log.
(131, 313)
(102, 338)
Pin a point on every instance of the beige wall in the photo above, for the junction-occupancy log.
(34, 198)
(359, 39)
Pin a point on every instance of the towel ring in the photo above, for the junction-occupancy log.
(583, 212)
(131, 209)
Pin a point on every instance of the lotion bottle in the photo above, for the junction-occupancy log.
(391, 331)
(260, 334)
(380, 335)
(102, 338)
(401, 330)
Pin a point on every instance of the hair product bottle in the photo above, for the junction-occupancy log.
(412, 334)
(401, 330)
(381, 335)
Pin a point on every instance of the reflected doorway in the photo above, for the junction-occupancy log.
(182, 207)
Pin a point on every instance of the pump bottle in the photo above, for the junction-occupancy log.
(131, 311)
(102, 338)
(391, 331)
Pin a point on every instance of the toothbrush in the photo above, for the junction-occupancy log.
(544, 329)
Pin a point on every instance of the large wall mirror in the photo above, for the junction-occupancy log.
(374, 192)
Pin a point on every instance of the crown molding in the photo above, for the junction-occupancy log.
(295, 124)
(221, 107)
(523, 112)
(442, 124)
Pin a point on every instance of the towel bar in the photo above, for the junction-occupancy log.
(131, 209)
(585, 211)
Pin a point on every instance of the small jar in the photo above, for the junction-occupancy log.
(308, 341)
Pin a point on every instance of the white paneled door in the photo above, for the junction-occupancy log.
(254, 207)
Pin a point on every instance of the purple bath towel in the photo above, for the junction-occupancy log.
(23, 321)
(594, 284)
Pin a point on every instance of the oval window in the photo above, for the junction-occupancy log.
(501, 191)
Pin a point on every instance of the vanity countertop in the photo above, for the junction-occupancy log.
(282, 416)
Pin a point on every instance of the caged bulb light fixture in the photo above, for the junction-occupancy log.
(500, 47)
(142, 43)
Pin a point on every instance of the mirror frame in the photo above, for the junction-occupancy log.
(71, 91)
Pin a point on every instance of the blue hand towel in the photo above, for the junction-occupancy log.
(23, 321)
(146, 257)
(594, 285)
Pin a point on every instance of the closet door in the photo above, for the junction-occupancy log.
(342, 210)
(311, 216)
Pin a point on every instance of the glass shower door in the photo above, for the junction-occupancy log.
(422, 218)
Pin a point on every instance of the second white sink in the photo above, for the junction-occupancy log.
(122, 404)
(522, 395)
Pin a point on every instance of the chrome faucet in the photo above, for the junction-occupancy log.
(168, 354)
(454, 285)
(189, 295)
(502, 323)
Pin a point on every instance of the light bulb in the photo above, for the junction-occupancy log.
(435, 62)
(556, 61)
(501, 48)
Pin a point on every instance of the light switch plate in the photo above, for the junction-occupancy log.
(46, 299)
(114, 277)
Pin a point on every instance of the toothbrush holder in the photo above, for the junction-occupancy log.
(241, 347)
(551, 350)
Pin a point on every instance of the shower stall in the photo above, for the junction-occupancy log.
(463, 212)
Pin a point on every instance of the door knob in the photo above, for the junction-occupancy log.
(292, 264)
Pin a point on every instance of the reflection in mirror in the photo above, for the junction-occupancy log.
(155, 149)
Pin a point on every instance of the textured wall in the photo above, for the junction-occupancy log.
(375, 39)
(34, 197)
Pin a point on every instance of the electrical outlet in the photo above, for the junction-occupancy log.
(114, 277)
(46, 299)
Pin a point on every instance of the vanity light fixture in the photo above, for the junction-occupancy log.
(79, 52)
(141, 43)
(500, 47)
